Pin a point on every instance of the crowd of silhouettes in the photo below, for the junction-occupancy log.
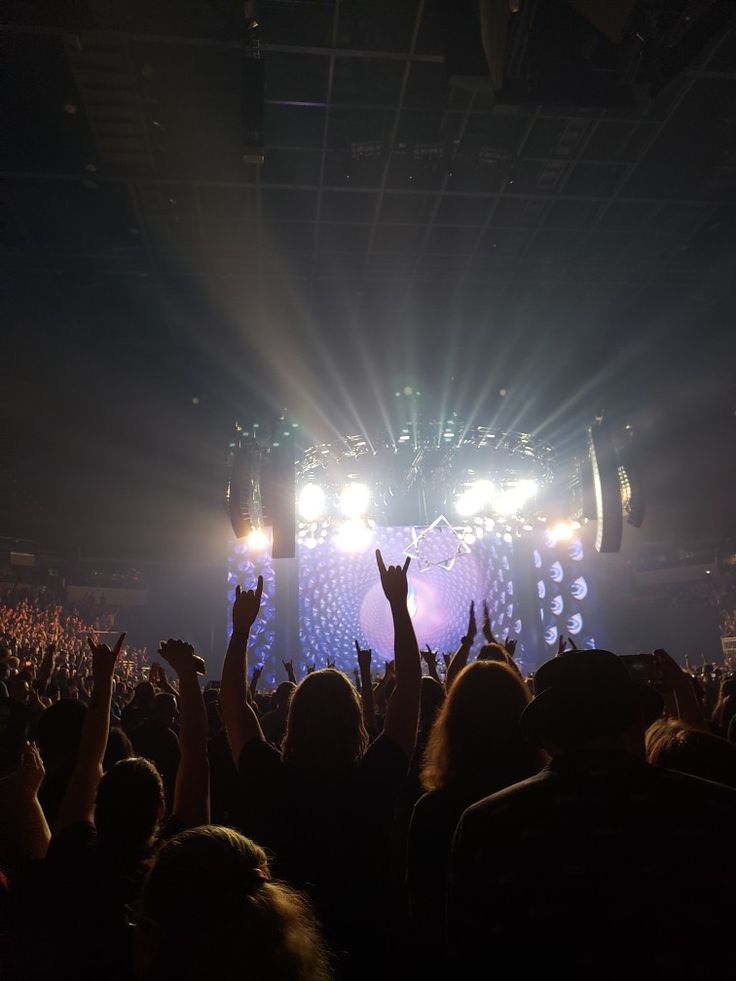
(433, 817)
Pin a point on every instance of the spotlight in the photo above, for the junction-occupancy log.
(527, 489)
(257, 540)
(354, 500)
(474, 498)
(311, 502)
(563, 531)
(511, 499)
(353, 536)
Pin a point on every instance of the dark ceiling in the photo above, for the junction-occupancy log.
(400, 227)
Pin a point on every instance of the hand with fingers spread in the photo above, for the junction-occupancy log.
(311, 668)
(180, 655)
(103, 659)
(430, 659)
(447, 658)
(429, 656)
(394, 580)
(246, 607)
(330, 664)
(364, 659)
(510, 645)
(562, 645)
(487, 629)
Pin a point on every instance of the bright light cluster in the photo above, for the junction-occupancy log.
(346, 511)
(483, 496)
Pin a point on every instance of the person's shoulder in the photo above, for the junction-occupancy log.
(383, 751)
(75, 842)
(697, 789)
(517, 795)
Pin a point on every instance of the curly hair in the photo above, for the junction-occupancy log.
(215, 912)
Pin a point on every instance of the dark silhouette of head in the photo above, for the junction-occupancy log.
(325, 730)
(130, 804)
(119, 747)
(163, 709)
(476, 739)
(282, 695)
(586, 699)
(59, 733)
(144, 694)
(210, 909)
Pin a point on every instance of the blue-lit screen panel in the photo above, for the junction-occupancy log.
(563, 593)
(341, 599)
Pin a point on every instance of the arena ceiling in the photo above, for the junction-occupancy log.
(398, 227)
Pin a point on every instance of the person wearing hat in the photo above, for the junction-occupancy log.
(593, 868)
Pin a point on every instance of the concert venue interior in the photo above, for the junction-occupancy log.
(285, 282)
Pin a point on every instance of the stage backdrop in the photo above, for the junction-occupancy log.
(339, 598)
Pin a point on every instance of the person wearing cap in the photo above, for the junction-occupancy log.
(593, 868)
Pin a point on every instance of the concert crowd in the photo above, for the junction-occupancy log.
(433, 817)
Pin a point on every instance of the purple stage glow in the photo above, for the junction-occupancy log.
(341, 600)
(341, 597)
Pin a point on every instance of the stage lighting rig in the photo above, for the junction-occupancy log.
(478, 478)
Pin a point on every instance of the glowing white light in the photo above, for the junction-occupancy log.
(311, 503)
(555, 572)
(507, 502)
(353, 536)
(563, 531)
(574, 624)
(474, 498)
(550, 636)
(354, 500)
(257, 540)
(556, 605)
(527, 488)
(575, 551)
(579, 588)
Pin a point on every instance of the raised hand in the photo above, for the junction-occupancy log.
(472, 630)
(429, 657)
(30, 772)
(311, 668)
(288, 667)
(510, 645)
(103, 659)
(447, 658)
(255, 676)
(330, 664)
(364, 658)
(246, 607)
(563, 643)
(180, 655)
(487, 629)
(393, 579)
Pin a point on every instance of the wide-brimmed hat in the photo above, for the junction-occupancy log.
(585, 694)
